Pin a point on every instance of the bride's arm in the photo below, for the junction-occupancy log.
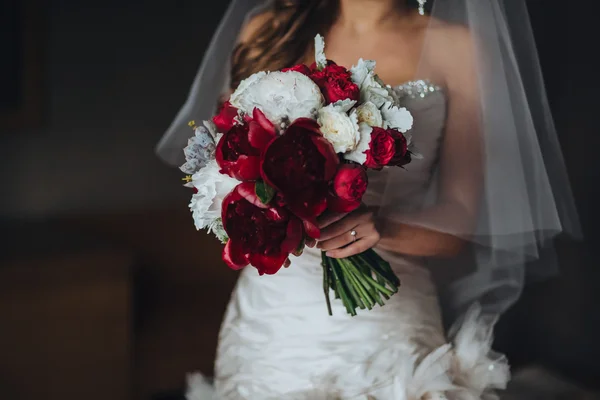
(460, 176)
(460, 166)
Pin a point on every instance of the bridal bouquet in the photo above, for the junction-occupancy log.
(287, 146)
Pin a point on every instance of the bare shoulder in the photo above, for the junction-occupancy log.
(254, 25)
(455, 38)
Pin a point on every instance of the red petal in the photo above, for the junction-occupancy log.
(293, 236)
(230, 198)
(305, 124)
(233, 256)
(268, 264)
(260, 118)
(258, 137)
(340, 205)
(247, 191)
(331, 158)
(311, 228)
(246, 168)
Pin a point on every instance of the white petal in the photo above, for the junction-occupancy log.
(281, 96)
(396, 117)
(339, 128)
(212, 188)
(344, 105)
(358, 155)
(243, 86)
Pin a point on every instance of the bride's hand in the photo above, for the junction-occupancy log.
(336, 233)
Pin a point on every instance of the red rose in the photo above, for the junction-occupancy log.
(402, 155)
(300, 164)
(303, 69)
(335, 82)
(382, 149)
(260, 235)
(238, 151)
(349, 186)
(225, 119)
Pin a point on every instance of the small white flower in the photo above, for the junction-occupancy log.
(212, 188)
(358, 155)
(370, 114)
(281, 96)
(320, 58)
(339, 128)
(395, 117)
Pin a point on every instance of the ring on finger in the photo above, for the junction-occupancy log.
(353, 234)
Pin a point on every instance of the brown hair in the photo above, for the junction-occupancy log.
(285, 38)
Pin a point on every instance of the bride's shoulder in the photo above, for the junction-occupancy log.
(254, 25)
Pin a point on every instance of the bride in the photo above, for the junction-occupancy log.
(483, 200)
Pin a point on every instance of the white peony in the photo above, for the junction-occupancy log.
(282, 96)
(212, 188)
(358, 155)
(395, 117)
(243, 86)
(339, 128)
(370, 114)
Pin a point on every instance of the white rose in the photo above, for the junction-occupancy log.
(339, 128)
(395, 117)
(370, 114)
(281, 96)
(212, 188)
(358, 155)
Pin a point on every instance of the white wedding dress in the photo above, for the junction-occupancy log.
(277, 341)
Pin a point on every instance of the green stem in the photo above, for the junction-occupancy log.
(326, 280)
(342, 290)
(362, 281)
(364, 295)
(372, 281)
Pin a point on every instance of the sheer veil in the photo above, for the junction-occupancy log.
(499, 127)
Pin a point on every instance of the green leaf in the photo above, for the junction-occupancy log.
(264, 192)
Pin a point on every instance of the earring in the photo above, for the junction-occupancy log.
(422, 6)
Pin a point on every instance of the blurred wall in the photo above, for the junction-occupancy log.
(116, 74)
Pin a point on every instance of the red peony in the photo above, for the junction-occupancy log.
(382, 149)
(300, 164)
(261, 235)
(349, 186)
(302, 68)
(238, 151)
(335, 82)
(225, 119)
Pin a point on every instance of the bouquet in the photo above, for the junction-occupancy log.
(287, 146)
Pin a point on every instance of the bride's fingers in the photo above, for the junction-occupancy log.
(310, 242)
(343, 226)
(341, 240)
(328, 218)
(357, 247)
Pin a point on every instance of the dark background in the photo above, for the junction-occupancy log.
(102, 294)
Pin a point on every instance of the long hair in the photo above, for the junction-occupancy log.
(285, 38)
